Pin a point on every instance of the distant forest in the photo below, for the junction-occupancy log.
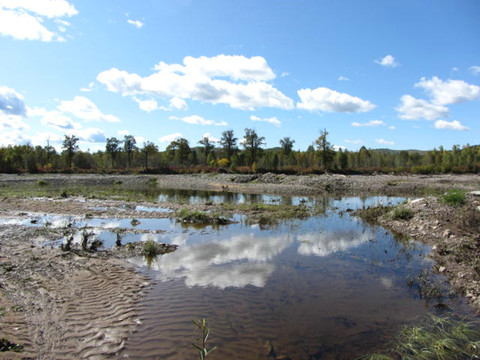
(230, 154)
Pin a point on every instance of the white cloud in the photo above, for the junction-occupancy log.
(43, 138)
(54, 119)
(85, 109)
(354, 142)
(170, 138)
(138, 24)
(414, 109)
(343, 78)
(25, 19)
(452, 125)
(455, 68)
(450, 91)
(147, 105)
(13, 137)
(392, 127)
(210, 137)
(384, 142)
(179, 104)
(371, 123)
(327, 100)
(475, 70)
(89, 135)
(12, 122)
(338, 147)
(272, 120)
(387, 61)
(11, 102)
(89, 88)
(237, 81)
(198, 120)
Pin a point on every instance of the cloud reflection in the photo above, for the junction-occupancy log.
(327, 243)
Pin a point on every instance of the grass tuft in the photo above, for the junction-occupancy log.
(454, 198)
(402, 213)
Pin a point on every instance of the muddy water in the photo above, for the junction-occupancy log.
(329, 287)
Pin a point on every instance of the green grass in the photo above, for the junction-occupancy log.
(437, 339)
(150, 248)
(454, 198)
(196, 217)
(402, 213)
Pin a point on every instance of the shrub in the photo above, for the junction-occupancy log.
(454, 197)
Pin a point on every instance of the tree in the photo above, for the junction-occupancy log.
(113, 148)
(70, 146)
(179, 150)
(149, 148)
(325, 148)
(129, 143)
(229, 143)
(252, 144)
(287, 145)
(207, 147)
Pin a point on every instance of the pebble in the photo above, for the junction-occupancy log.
(475, 193)
(442, 269)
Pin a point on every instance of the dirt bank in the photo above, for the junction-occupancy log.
(453, 232)
(267, 183)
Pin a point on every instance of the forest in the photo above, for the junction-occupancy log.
(232, 154)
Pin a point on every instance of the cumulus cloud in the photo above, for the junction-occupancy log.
(272, 120)
(327, 100)
(85, 109)
(371, 123)
(26, 19)
(198, 120)
(90, 135)
(450, 91)
(237, 81)
(151, 105)
(170, 138)
(385, 142)
(475, 70)
(54, 118)
(11, 102)
(138, 24)
(411, 108)
(387, 61)
(452, 125)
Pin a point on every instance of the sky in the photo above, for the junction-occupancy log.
(374, 73)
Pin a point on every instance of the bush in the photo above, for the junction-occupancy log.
(454, 198)
(402, 213)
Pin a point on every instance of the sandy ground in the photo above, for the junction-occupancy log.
(74, 305)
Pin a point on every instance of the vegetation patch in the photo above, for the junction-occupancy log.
(196, 217)
(402, 213)
(454, 198)
(438, 338)
(372, 214)
(6, 345)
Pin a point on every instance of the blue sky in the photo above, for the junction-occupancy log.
(395, 74)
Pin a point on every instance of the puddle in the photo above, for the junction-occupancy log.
(325, 287)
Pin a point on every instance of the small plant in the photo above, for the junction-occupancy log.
(402, 213)
(454, 198)
(6, 345)
(42, 183)
(201, 345)
(85, 236)
(135, 222)
(150, 248)
(439, 338)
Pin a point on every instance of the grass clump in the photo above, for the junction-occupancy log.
(196, 217)
(439, 338)
(6, 345)
(402, 213)
(151, 248)
(371, 214)
(454, 198)
(42, 183)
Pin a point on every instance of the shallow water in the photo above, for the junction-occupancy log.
(329, 287)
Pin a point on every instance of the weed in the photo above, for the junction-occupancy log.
(196, 217)
(85, 236)
(439, 338)
(201, 345)
(454, 198)
(42, 183)
(150, 248)
(371, 214)
(135, 222)
(6, 345)
(402, 213)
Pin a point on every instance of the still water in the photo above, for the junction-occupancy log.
(329, 287)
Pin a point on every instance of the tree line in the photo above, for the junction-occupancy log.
(230, 154)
